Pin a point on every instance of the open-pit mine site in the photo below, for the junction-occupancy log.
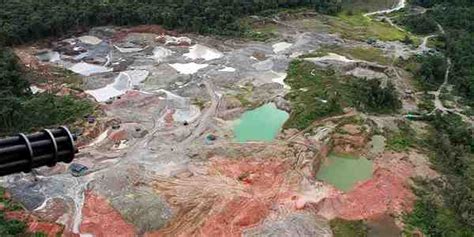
(204, 135)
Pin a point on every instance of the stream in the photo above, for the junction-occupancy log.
(400, 5)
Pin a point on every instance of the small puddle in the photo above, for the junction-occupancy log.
(261, 124)
(345, 172)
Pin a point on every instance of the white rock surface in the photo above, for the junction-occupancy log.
(89, 39)
(280, 47)
(87, 69)
(188, 68)
(203, 52)
(36, 90)
(264, 65)
(280, 78)
(128, 50)
(160, 53)
(187, 115)
(124, 82)
(228, 69)
(331, 57)
(174, 41)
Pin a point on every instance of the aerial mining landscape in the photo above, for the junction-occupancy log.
(315, 120)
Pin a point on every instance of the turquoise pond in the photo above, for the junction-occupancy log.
(261, 124)
(345, 172)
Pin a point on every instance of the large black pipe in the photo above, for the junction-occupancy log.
(22, 153)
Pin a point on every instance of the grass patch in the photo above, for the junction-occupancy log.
(358, 27)
(10, 227)
(58, 76)
(426, 103)
(401, 140)
(257, 30)
(199, 103)
(244, 94)
(366, 5)
(346, 228)
(242, 97)
(411, 65)
(44, 110)
(315, 54)
(437, 43)
(369, 54)
(260, 33)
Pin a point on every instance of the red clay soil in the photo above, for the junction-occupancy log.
(118, 136)
(349, 144)
(266, 187)
(259, 186)
(134, 99)
(385, 193)
(152, 29)
(262, 180)
(169, 120)
(100, 219)
(388, 192)
(35, 225)
(27, 58)
(236, 194)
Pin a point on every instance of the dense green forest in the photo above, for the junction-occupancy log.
(457, 19)
(25, 20)
(445, 206)
(21, 111)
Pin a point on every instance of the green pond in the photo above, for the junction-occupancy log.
(345, 172)
(261, 124)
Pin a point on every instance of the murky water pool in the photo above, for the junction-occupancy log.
(261, 124)
(345, 172)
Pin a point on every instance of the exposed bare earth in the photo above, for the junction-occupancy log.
(153, 172)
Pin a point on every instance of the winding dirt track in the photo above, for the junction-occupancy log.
(208, 115)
